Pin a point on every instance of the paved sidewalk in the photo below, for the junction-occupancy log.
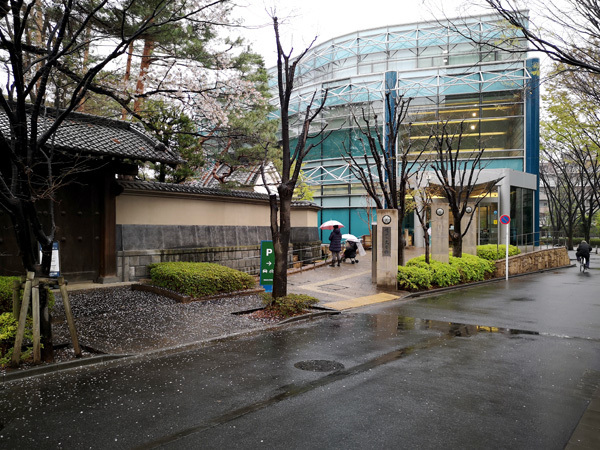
(347, 286)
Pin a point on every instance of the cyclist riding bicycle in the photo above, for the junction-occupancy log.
(583, 251)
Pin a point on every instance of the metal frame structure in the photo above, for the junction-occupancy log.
(455, 70)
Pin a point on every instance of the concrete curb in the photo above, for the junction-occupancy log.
(55, 367)
(477, 283)
(112, 359)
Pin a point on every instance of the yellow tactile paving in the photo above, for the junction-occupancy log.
(361, 301)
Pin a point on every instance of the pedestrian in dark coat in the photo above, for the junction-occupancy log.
(335, 246)
(583, 251)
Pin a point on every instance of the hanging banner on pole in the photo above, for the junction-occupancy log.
(267, 265)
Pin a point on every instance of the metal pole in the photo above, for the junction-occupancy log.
(507, 237)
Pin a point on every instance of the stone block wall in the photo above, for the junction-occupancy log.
(533, 261)
(132, 265)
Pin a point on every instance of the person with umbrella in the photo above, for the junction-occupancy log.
(335, 246)
(335, 240)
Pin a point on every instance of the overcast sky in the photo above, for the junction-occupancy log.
(302, 20)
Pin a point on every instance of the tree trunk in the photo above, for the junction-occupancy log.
(400, 245)
(282, 244)
(144, 66)
(45, 326)
(457, 239)
(127, 76)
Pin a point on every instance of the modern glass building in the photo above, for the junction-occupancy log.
(473, 71)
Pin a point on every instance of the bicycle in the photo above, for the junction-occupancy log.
(582, 265)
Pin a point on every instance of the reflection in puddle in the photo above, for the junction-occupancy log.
(454, 329)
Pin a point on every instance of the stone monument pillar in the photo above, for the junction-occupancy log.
(440, 248)
(387, 247)
(469, 244)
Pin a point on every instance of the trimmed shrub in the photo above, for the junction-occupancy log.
(442, 275)
(473, 268)
(199, 279)
(6, 293)
(8, 331)
(289, 305)
(418, 275)
(414, 278)
(493, 252)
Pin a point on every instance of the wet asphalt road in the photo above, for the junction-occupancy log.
(503, 365)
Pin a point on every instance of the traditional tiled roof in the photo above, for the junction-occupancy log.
(245, 176)
(98, 136)
(188, 189)
(154, 186)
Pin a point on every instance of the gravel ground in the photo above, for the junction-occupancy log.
(123, 321)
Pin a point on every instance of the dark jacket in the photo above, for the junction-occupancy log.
(336, 240)
(584, 249)
(350, 251)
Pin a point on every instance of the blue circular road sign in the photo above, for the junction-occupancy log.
(504, 219)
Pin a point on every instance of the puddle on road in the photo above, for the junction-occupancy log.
(454, 329)
(446, 331)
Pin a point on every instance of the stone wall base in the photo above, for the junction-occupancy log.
(132, 265)
(533, 261)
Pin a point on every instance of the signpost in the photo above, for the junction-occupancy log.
(267, 265)
(505, 220)
(55, 262)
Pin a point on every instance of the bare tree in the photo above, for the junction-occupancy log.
(280, 201)
(421, 194)
(458, 175)
(571, 149)
(559, 180)
(382, 169)
(560, 29)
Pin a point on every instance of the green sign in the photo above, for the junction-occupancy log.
(267, 265)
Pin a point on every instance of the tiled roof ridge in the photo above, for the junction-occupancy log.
(100, 136)
(84, 117)
(195, 189)
(186, 188)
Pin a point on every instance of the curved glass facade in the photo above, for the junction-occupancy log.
(448, 77)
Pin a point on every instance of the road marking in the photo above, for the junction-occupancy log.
(361, 301)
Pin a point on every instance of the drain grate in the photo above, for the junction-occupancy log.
(319, 365)
(333, 287)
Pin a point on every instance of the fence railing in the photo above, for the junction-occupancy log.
(297, 258)
(529, 242)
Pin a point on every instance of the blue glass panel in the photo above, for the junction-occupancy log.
(502, 84)
(515, 164)
(398, 41)
(373, 44)
(333, 146)
(358, 222)
(428, 38)
(459, 84)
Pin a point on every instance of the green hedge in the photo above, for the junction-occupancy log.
(442, 275)
(493, 252)
(6, 293)
(8, 331)
(418, 275)
(473, 268)
(199, 279)
(414, 278)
